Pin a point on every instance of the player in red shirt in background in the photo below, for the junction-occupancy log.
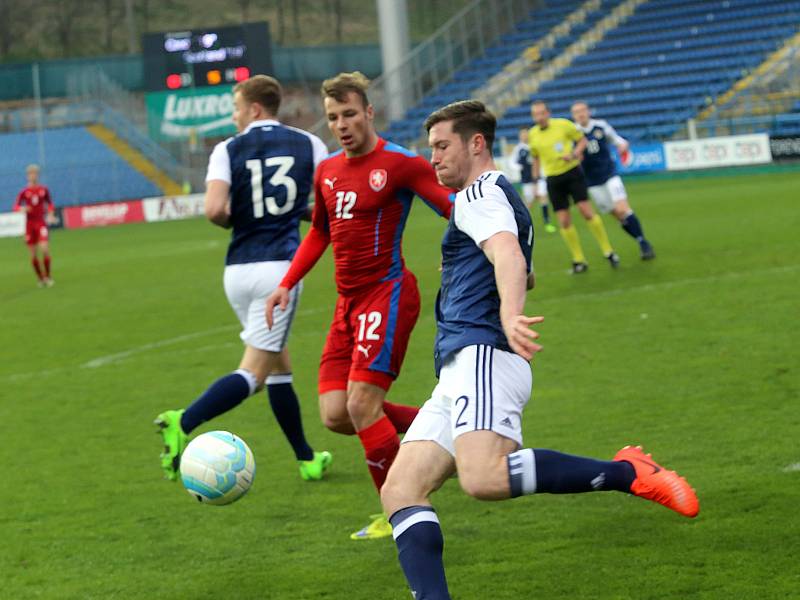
(363, 196)
(38, 207)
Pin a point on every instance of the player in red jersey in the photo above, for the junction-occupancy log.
(38, 207)
(363, 196)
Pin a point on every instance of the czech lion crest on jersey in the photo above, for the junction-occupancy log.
(378, 179)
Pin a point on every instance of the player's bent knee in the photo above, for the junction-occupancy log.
(483, 482)
(363, 405)
(336, 420)
(478, 489)
(338, 425)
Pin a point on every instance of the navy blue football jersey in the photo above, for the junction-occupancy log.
(270, 169)
(468, 304)
(598, 161)
(522, 156)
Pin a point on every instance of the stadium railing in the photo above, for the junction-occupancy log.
(464, 37)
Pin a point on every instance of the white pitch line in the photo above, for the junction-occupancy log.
(112, 358)
(671, 284)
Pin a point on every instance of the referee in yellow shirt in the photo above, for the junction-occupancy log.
(558, 144)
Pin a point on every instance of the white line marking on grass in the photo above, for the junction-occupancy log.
(111, 358)
(792, 467)
(673, 283)
(108, 359)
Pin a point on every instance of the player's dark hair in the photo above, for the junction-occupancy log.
(469, 117)
(537, 101)
(344, 83)
(263, 90)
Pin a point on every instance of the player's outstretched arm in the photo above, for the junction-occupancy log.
(502, 250)
(580, 148)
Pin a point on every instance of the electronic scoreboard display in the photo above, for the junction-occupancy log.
(205, 57)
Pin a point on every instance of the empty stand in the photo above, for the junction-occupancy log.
(78, 169)
(647, 76)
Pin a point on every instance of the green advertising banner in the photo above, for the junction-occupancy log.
(190, 113)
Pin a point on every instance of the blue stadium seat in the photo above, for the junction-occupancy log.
(77, 167)
(647, 78)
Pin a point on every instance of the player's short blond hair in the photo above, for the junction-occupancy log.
(32, 167)
(263, 90)
(343, 84)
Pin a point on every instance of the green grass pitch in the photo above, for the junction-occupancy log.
(693, 355)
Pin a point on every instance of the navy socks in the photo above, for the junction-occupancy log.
(633, 228)
(420, 545)
(224, 394)
(287, 412)
(547, 471)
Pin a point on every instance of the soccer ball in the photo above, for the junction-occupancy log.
(217, 468)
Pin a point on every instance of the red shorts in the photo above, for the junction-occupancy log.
(369, 335)
(35, 232)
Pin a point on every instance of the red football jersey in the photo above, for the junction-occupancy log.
(37, 197)
(361, 207)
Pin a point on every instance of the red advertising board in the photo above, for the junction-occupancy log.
(98, 215)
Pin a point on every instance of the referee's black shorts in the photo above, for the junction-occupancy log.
(561, 188)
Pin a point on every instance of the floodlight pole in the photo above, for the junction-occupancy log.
(395, 46)
(37, 94)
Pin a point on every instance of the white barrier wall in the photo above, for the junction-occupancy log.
(727, 151)
(172, 208)
(12, 224)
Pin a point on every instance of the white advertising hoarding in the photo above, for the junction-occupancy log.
(712, 152)
(172, 208)
(12, 224)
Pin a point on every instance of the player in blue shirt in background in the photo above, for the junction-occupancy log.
(473, 420)
(531, 190)
(258, 183)
(600, 169)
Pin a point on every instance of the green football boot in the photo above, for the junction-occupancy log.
(175, 441)
(314, 469)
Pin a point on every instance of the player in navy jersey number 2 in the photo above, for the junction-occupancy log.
(363, 195)
(473, 421)
(600, 169)
(258, 183)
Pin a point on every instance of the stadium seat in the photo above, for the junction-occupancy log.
(76, 166)
(648, 78)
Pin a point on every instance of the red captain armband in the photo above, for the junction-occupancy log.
(311, 249)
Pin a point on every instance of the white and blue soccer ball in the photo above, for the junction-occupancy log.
(217, 468)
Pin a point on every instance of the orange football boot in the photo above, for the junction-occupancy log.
(658, 484)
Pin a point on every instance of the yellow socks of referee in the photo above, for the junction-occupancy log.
(570, 237)
(599, 232)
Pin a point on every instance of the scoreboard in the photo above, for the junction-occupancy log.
(176, 60)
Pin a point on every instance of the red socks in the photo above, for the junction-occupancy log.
(47, 265)
(37, 267)
(381, 444)
(400, 415)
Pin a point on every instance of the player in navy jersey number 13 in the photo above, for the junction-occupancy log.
(473, 420)
(258, 183)
(600, 168)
